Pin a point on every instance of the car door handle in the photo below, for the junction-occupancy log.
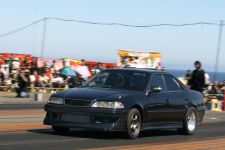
(186, 99)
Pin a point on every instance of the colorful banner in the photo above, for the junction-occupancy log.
(41, 62)
(11, 55)
(71, 62)
(139, 59)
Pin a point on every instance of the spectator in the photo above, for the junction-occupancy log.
(34, 66)
(2, 78)
(15, 63)
(220, 85)
(98, 68)
(215, 88)
(14, 75)
(82, 62)
(7, 82)
(47, 70)
(223, 88)
(34, 80)
(207, 79)
(198, 78)
(10, 63)
(188, 77)
(72, 82)
(54, 66)
(5, 69)
(5, 66)
(23, 82)
(53, 71)
(114, 66)
(26, 62)
(163, 69)
(44, 81)
(156, 68)
(57, 81)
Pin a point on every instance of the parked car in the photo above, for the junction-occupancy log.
(128, 100)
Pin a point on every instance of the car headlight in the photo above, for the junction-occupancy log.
(55, 100)
(104, 104)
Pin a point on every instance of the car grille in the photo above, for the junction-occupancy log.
(78, 103)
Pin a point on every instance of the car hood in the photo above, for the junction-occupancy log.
(93, 93)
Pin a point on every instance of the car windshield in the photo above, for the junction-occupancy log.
(117, 79)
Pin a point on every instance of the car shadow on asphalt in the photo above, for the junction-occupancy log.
(84, 133)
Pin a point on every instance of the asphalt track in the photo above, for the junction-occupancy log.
(22, 128)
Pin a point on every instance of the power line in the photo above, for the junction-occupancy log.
(137, 26)
(23, 27)
(111, 24)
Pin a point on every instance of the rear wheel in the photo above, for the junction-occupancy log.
(61, 129)
(133, 124)
(189, 123)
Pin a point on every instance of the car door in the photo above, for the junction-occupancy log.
(157, 106)
(177, 98)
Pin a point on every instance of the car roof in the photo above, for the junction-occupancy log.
(147, 71)
(138, 70)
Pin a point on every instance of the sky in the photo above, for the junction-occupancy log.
(179, 46)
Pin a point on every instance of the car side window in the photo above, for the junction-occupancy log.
(172, 83)
(157, 80)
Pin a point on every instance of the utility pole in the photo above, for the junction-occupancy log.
(43, 37)
(218, 50)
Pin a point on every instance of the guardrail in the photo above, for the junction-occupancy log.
(46, 88)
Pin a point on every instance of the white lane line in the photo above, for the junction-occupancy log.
(213, 118)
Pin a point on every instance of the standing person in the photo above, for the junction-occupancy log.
(198, 78)
(16, 63)
(34, 65)
(163, 69)
(23, 82)
(188, 78)
(11, 58)
(2, 78)
(14, 75)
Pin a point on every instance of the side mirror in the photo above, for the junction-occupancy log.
(156, 89)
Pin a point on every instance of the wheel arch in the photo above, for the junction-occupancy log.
(139, 108)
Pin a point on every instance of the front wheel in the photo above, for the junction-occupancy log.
(189, 123)
(58, 129)
(133, 124)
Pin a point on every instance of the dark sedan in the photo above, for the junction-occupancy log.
(128, 100)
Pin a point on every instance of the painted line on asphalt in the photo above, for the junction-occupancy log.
(185, 144)
(22, 126)
(22, 112)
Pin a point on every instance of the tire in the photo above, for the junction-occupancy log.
(189, 123)
(58, 129)
(133, 123)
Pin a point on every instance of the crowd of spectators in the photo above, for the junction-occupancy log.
(217, 87)
(24, 73)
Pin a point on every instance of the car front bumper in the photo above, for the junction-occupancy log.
(91, 118)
